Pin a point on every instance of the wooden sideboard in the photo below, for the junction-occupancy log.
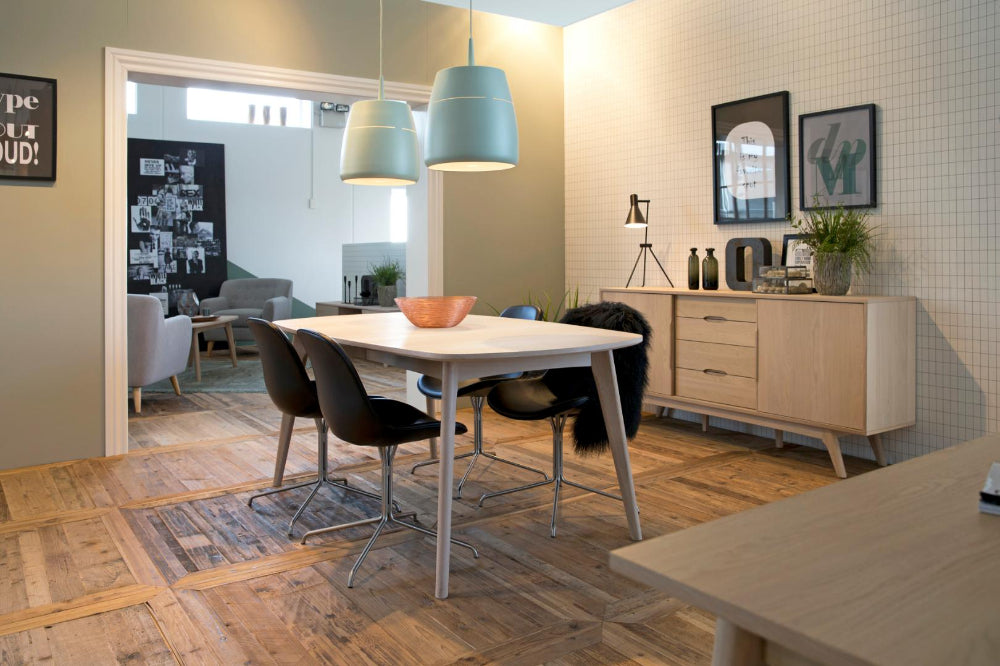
(821, 366)
(332, 308)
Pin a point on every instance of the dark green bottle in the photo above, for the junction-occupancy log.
(710, 271)
(693, 277)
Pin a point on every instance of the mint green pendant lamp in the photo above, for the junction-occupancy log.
(380, 143)
(471, 125)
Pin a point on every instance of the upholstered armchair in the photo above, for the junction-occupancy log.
(267, 298)
(157, 348)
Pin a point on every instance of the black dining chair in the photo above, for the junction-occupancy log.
(476, 390)
(562, 393)
(364, 420)
(294, 394)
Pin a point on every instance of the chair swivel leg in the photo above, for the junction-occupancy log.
(322, 480)
(390, 517)
(558, 424)
(477, 449)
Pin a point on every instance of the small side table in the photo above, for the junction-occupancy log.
(222, 321)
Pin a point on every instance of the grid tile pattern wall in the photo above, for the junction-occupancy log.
(640, 83)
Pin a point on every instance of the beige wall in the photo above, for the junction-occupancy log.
(51, 330)
(931, 67)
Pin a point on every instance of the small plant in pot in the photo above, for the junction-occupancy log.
(842, 240)
(386, 275)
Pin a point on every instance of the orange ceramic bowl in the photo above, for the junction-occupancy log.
(435, 311)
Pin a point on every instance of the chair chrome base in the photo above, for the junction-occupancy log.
(477, 449)
(558, 478)
(323, 480)
(387, 517)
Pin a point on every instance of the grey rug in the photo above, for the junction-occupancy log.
(218, 376)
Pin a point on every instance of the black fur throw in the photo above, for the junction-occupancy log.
(631, 365)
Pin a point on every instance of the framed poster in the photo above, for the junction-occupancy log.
(177, 218)
(27, 127)
(750, 160)
(796, 253)
(837, 158)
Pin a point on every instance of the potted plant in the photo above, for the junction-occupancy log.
(386, 275)
(841, 239)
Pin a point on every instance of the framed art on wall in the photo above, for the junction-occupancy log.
(750, 159)
(837, 158)
(27, 127)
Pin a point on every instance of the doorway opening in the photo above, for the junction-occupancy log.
(163, 84)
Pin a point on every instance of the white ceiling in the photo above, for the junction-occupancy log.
(555, 12)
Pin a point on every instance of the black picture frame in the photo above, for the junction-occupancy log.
(34, 155)
(747, 186)
(784, 246)
(850, 130)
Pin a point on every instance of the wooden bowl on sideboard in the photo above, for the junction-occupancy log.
(435, 311)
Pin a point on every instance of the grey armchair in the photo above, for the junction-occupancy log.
(157, 348)
(267, 298)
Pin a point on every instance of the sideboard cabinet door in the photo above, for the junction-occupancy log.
(659, 311)
(812, 361)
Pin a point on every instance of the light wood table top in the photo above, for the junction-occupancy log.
(476, 337)
(479, 347)
(893, 567)
(219, 320)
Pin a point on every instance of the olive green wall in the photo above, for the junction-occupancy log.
(503, 231)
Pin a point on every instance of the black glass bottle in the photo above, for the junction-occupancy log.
(710, 271)
(693, 269)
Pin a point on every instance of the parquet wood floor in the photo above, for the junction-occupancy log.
(154, 557)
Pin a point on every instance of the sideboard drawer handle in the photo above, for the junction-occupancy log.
(714, 318)
(710, 371)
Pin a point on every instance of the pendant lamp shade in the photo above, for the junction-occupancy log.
(380, 142)
(380, 145)
(471, 125)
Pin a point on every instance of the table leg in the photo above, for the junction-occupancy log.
(232, 343)
(446, 454)
(431, 409)
(735, 646)
(603, 367)
(195, 356)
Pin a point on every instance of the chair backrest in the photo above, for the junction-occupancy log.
(285, 376)
(253, 292)
(342, 397)
(522, 312)
(145, 328)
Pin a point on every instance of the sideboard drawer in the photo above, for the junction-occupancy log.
(711, 387)
(731, 359)
(742, 333)
(731, 309)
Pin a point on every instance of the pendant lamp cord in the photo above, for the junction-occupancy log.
(472, 55)
(381, 84)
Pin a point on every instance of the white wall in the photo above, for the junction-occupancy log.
(640, 83)
(271, 174)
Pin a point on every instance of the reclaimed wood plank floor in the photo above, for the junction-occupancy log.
(154, 556)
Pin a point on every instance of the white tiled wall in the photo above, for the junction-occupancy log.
(640, 83)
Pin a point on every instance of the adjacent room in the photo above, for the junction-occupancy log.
(490, 331)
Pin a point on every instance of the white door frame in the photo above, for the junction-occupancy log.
(119, 64)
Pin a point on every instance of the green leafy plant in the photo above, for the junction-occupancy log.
(839, 230)
(552, 312)
(387, 273)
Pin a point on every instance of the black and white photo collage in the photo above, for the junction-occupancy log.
(169, 240)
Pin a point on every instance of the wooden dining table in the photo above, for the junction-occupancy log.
(477, 347)
(897, 566)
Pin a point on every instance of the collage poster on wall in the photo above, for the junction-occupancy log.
(176, 218)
